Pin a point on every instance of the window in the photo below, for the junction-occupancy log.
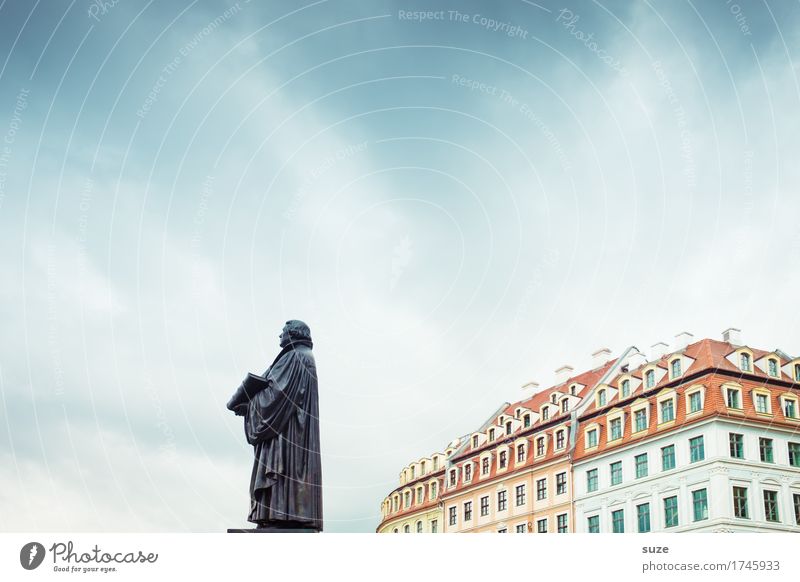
(765, 450)
(396, 530)
(616, 473)
(422, 468)
(564, 405)
(508, 427)
(501, 500)
(491, 434)
(618, 521)
(771, 505)
(553, 397)
(561, 523)
(545, 413)
(434, 526)
(468, 511)
(626, 388)
(484, 506)
(695, 402)
(797, 372)
(413, 472)
(668, 458)
(740, 502)
(744, 362)
(419, 495)
(433, 489)
(541, 489)
(560, 439)
(406, 528)
(561, 483)
(540, 446)
(762, 404)
(468, 472)
(641, 465)
(591, 480)
(650, 378)
(736, 444)
(794, 454)
(452, 515)
(573, 389)
(475, 442)
(520, 494)
(732, 398)
(696, 449)
(452, 478)
(419, 527)
(700, 504)
(526, 420)
(520, 528)
(601, 398)
(772, 367)
(643, 517)
(675, 367)
(593, 524)
(520, 452)
(407, 499)
(503, 530)
(616, 429)
(485, 465)
(671, 511)
(503, 459)
(667, 410)
(591, 438)
(640, 419)
(541, 525)
(796, 502)
(435, 463)
(790, 408)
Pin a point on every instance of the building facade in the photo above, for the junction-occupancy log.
(702, 436)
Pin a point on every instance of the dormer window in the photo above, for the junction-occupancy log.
(413, 472)
(733, 397)
(407, 499)
(667, 410)
(789, 406)
(422, 467)
(564, 405)
(468, 472)
(520, 452)
(453, 478)
(591, 438)
(616, 429)
(503, 459)
(745, 362)
(626, 388)
(545, 413)
(485, 466)
(675, 367)
(553, 398)
(508, 427)
(797, 372)
(433, 490)
(762, 402)
(560, 439)
(419, 495)
(601, 398)
(573, 389)
(540, 446)
(475, 442)
(491, 434)
(526, 420)
(772, 367)
(650, 378)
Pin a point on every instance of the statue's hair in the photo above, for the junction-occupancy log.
(298, 329)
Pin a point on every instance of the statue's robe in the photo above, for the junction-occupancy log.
(281, 421)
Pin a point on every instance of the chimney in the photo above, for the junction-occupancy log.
(530, 389)
(600, 357)
(658, 350)
(682, 340)
(563, 374)
(636, 360)
(732, 336)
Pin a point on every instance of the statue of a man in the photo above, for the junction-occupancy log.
(281, 421)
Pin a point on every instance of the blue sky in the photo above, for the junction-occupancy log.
(456, 206)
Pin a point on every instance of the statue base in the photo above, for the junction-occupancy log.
(275, 530)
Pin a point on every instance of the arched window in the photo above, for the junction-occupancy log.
(676, 367)
(508, 427)
(520, 452)
(395, 530)
(545, 413)
(407, 499)
(772, 367)
(475, 442)
(406, 528)
(491, 434)
(564, 405)
(650, 378)
(626, 388)
(419, 527)
(744, 362)
(553, 398)
(526, 420)
(573, 389)
(601, 398)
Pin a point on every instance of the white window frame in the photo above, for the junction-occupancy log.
(755, 393)
(733, 386)
(697, 388)
(788, 396)
(591, 427)
(636, 407)
(663, 397)
(614, 415)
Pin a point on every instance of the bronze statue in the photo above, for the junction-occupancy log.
(281, 421)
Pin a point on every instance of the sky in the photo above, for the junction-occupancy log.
(458, 198)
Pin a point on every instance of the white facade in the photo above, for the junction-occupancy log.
(718, 473)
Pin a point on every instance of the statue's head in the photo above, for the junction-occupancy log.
(294, 330)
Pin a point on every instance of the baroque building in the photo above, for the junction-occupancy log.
(699, 436)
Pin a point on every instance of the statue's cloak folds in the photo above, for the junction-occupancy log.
(281, 421)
